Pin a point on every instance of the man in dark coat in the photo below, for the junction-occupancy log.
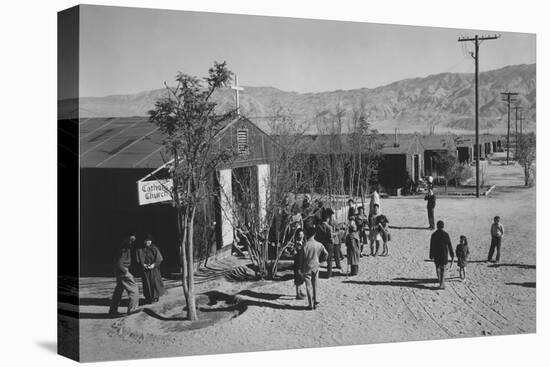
(430, 198)
(149, 258)
(324, 235)
(440, 248)
(124, 279)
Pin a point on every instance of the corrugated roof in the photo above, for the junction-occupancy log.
(134, 142)
(123, 142)
(324, 144)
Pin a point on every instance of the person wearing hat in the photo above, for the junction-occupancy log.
(149, 259)
(124, 279)
(430, 198)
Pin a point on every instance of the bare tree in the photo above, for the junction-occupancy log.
(365, 151)
(257, 220)
(190, 126)
(526, 155)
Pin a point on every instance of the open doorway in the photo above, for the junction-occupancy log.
(244, 188)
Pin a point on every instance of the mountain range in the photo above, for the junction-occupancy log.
(444, 100)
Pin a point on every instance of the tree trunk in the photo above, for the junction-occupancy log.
(183, 251)
(191, 309)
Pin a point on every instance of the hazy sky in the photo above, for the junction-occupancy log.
(128, 50)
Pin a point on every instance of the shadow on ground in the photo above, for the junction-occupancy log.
(88, 315)
(88, 301)
(519, 266)
(525, 284)
(216, 306)
(399, 282)
(211, 272)
(419, 228)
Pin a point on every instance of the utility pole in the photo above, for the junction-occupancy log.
(520, 127)
(508, 98)
(476, 40)
(517, 108)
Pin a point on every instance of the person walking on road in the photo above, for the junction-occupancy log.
(462, 252)
(430, 198)
(313, 253)
(440, 248)
(124, 279)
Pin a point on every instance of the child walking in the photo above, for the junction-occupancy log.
(462, 253)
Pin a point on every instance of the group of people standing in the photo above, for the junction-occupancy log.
(317, 238)
(143, 261)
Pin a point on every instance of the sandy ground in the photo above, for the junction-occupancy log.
(392, 299)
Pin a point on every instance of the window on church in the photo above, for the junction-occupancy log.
(242, 142)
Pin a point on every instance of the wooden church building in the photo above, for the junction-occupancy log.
(116, 154)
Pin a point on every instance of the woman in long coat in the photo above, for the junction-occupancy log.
(149, 258)
(353, 247)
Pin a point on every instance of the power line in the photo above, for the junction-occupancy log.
(517, 108)
(509, 98)
(475, 55)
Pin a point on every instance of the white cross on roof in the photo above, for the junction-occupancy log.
(237, 89)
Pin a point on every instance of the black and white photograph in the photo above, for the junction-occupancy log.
(274, 183)
(250, 183)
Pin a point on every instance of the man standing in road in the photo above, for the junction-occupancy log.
(430, 198)
(440, 248)
(324, 235)
(313, 253)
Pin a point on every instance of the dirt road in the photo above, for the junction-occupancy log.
(392, 299)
